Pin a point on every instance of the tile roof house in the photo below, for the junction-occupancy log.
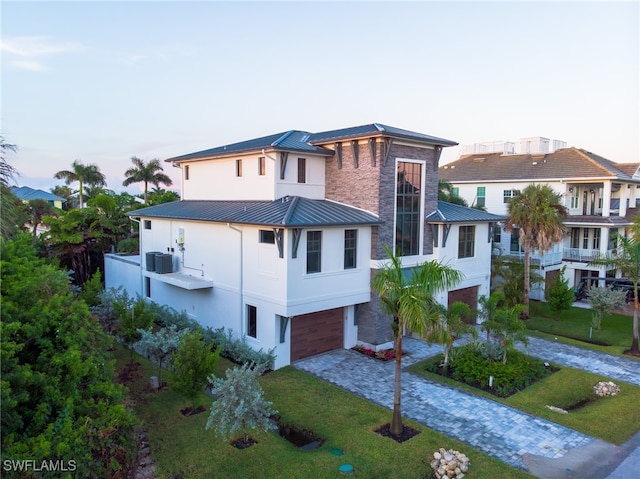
(600, 195)
(277, 237)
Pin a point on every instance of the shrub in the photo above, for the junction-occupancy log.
(558, 293)
(237, 350)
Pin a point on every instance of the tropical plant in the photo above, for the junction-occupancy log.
(159, 196)
(239, 404)
(89, 175)
(446, 193)
(410, 301)
(488, 307)
(508, 329)
(59, 400)
(160, 345)
(92, 290)
(605, 301)
(146, 173)
(558, 293)
(9, 203)
(537, 214)
(193, 362)
(450, 327)
(134, 314)
(627, 261)
(508, 276)
(37, 209)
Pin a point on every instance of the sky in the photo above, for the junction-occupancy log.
(100, 82)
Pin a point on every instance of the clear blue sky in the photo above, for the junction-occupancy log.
(103, 81)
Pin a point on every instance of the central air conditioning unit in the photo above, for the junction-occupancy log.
(164, 263)
(151, 260)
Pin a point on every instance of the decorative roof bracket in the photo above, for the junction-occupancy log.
(354, 148)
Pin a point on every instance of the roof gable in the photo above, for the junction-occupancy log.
(26, 193)
(376, 129)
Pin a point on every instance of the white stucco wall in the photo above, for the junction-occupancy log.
(123, 271)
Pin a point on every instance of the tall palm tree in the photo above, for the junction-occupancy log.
(627, 261)
(84, 175)
(538, 216)
(146, 173)
(410, 301)
(37, 210)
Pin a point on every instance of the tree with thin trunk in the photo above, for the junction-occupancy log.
(537, 214)
(37, 210)
(89, 175)
(450, 327)
(410, 301)
(627, 261)
(146, 173)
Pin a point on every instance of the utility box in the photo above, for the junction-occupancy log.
(164, 263)
(151, 260)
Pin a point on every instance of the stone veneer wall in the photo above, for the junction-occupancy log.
(372, 188)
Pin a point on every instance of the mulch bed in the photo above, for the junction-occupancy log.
(189, 411)
(407, 432)
(240, 443)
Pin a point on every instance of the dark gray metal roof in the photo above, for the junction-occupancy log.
(377, 129)
(450, 213)
(292, 140)
(289, 211)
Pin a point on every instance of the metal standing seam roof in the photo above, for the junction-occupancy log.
(376, 129)
(303, 141)
(289, 140)
(451, 213)
(289, 211)
(565, 163)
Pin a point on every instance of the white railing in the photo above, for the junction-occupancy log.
(579, 254)
(547, 259)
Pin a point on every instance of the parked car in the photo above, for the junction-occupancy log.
(623, 284)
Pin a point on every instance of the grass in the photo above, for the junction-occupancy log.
(572, 327)
(612, 419)
(181, 447)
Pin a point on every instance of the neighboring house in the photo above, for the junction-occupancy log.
(600, 195)
(277, 237)
(25, 194)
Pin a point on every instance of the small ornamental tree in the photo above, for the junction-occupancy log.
(605, 301)
(193, 362)
(239, 405)
(449, 327)
(558, 293)
(159, 345)
(133, 315)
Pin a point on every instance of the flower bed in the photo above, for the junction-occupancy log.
(382, 355)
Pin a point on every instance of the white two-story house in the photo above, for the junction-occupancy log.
(601, 198)
(277, 238)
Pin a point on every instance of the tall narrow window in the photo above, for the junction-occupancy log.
(515, 241)
(481, 196)
(262, 167)
(466, 241)
(596, 238)
(314, 251)
(408, 208)
(147, 284)
(238, 168)
(252, 321)
(147, 224)
(302, 170)
(186, 172)
(350, 248)
(585, 238)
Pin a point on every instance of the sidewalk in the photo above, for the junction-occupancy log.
(546, 449)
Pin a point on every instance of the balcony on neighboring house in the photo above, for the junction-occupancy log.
(583, 255)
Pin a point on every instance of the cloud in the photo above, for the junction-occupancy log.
(28, 49)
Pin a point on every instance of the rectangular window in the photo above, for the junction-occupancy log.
(262, 167)
(585, 238)
(575, 199)
(267, 237)
(302, 170)
(497, 234)
(455, 191)
(147, 224)
(514, 245)
(596, 238)
(186, 172)
(466, 241)
(350, 248)
(147, 284)
(238, 168)
(508, 194)
(575, 237)
(613, 239)
(408, 208)
(252, 321)
(314, 251)
(481, 196)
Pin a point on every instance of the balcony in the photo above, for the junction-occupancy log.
(547, 259)
(582, 255)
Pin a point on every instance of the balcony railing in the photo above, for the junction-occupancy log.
(546, 259)
(582, 255)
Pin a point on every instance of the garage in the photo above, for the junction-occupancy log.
(315, 333)
(468, 296)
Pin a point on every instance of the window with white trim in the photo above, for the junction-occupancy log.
(409, 201)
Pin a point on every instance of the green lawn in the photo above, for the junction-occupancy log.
(613, 419)
(572, 327)
(345, 421)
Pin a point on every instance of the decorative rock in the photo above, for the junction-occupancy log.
(556, 409)
(606, 388)
(449, 464)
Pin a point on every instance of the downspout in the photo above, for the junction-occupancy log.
(241, 280)
(131, 218)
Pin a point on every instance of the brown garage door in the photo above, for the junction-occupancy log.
(316, 333)
(468, 296)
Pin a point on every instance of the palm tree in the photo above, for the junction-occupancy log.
(410, 301)
(450, 327)
(84, 175)
(627, 261)
(37, 210)
(538, 216)
(446, 193)
(146, 173)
